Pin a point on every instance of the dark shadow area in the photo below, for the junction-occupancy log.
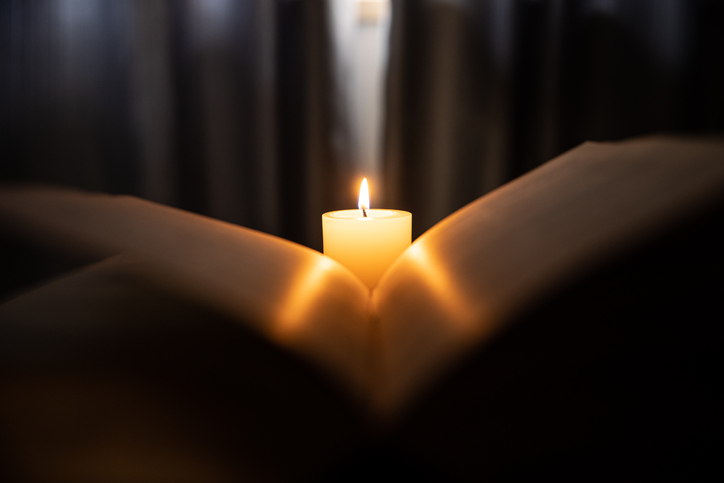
(101, 377)
(223, 109)
(615, 375)
(482, 92)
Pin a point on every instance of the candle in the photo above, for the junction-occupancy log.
(366, 241)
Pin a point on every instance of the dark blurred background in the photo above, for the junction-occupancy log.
(232, 108)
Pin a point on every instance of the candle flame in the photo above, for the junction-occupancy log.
(364, 198)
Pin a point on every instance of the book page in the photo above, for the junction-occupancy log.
(289, 294)
(466, 279)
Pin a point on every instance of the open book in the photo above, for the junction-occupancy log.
(508, 332)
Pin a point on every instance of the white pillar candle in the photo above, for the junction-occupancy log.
(366, 241)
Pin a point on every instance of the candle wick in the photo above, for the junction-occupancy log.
(364, 212)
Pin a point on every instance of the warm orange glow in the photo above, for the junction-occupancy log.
(366, 241)
(440, 286)
(303, 293)
(322, 315)
(364, 198)
(427, 320)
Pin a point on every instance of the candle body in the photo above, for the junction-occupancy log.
(367, 246)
